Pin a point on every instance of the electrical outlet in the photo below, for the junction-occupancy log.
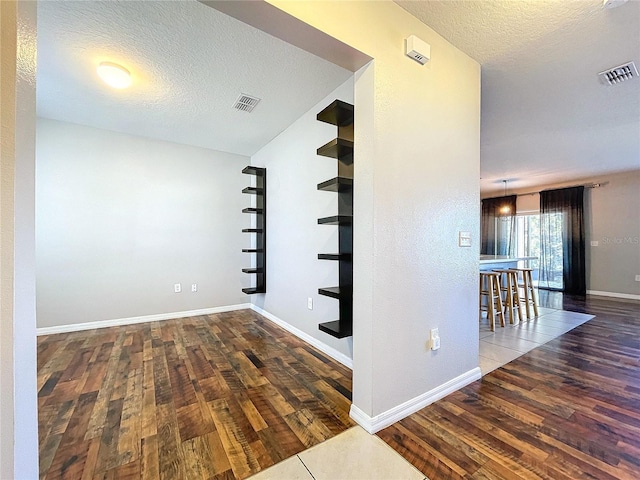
(177, 288)
(310, 303)
(194, 287)
(637, 278)
(594, 243)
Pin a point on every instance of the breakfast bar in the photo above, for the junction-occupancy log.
(492, 262)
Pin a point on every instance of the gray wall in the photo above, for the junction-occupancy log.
(120, 219)
(18, 389)
(294, 237)
(612, 218)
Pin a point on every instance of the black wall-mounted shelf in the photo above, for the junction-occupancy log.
(340, 114)
(337, 184)
(260, 229)
(338, 148)
(336, 220)
(334, 256)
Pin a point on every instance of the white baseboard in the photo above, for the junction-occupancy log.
(395, 414)
(323, 347)
(77, 327)
(628, 296)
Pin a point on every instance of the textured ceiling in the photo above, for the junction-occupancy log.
(189, 63)
(545, 116)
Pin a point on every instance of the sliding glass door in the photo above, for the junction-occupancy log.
(551, 254)
(529, 243)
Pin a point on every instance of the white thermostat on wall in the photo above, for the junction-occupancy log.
(417, 49)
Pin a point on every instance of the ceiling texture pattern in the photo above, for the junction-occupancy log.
(546, 118)
(189, 63)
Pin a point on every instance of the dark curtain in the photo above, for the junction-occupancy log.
(562, 234)
(498, 226)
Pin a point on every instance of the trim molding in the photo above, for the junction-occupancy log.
(77, 327)
(323, 347)
(628, 296)
(395, 414)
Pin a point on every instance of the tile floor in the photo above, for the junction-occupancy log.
(351, 455)
(355, 454)
(509, 342)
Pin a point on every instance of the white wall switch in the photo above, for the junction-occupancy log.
(435, 339)
(595, 243)
(194, 287)
(637, 278)
(464, 239)
(310, 303)
(177, 288)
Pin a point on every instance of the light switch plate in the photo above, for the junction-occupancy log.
(464, 239)
(594, 243)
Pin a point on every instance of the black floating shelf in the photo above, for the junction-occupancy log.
(338, 184)
(253, 190)
(252, 230)
(337, 148)
(338, 113)
(253, 170)
(252, 250)
(336, 292)
(252, 270)
(333, 329)
(333, 292)
(252, 210)
(334, 256)
(336, 220)
(251, 291)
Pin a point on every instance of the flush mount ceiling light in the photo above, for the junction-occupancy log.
(114, 75)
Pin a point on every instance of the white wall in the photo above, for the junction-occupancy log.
(417, 131)
(18, 403)
(294, 237)
(120, 219)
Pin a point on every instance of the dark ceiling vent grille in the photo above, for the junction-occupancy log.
(246, 103)
(619, 74)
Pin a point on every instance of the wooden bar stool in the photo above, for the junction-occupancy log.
(509, 285)
(490, 288)
(529, 291)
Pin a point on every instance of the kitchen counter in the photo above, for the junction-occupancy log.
(484, 259)
(490, 262)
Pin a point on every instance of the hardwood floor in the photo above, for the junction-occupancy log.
(569, 409)
(217, 396)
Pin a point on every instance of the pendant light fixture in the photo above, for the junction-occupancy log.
(505, 209)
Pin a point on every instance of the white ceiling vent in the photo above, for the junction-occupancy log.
(619, 74)
(246, 103)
